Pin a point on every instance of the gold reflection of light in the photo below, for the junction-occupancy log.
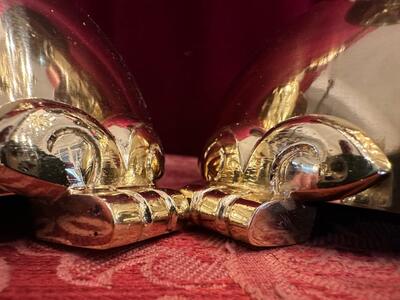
(325, 59)
(35, 63)
(290, 161)
(102, 164)
(76, 87)
(282, 102)
(375, 13)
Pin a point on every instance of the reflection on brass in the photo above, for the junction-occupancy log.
(347, 66)
(97, 218)
(259, 196)
(375, 13)
(280, 105)
(253, 219)
(324, 59)
(284, 101)
(74, 136)
(36, 63)
(292, 142)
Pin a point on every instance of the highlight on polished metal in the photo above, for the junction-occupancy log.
(259, 183)
(314, 118)
(74, 134)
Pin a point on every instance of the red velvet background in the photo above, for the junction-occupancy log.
(185, 54)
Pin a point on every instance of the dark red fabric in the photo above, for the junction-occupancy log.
(185, 54)
(353, 254)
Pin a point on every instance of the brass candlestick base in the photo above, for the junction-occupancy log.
(74, 134)
(340, 59)
(104, 219)
(254, 220)
(260, 182)
(75, 137)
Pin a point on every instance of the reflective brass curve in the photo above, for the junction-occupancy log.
(259, 183)
(84, 191)
(74, 133)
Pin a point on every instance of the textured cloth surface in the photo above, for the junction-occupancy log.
(354, 254)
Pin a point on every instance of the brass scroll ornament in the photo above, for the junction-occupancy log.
(74, 135)
(85, 191)
(75, 140)
(259, 183)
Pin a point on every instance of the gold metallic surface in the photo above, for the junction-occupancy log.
(250, 218)
(74, 135)
(104, 218)
(285, 101)
(302, 153)
(259, 197)
(280, 105)
(323, 127)
(375, 13)
(75, 138)
(34, 63)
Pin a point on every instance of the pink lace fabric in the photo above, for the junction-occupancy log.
(353, 255)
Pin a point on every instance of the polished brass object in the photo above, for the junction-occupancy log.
(341, 60)
(254, 219)
(375, 13)
(259, 183)
(315, 118)
(74, 134)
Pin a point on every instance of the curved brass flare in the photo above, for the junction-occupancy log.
(259, 183)
(74, 134)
